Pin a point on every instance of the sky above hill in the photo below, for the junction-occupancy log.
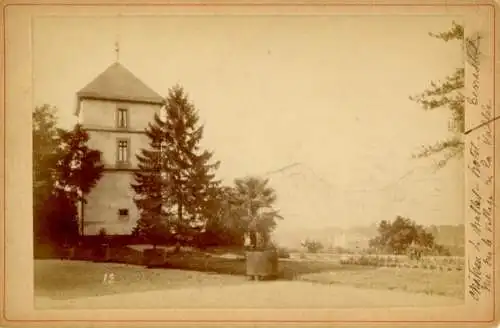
(330, 92)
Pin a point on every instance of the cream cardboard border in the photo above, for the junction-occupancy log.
(17, 305)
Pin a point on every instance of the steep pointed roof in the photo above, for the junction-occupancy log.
(118, 83)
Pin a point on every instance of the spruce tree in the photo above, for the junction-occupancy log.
(151, 184)
(447, 94)
(175, 185)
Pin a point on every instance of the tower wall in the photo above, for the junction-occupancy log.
(113, 193)
(102, 113)
(106, 142)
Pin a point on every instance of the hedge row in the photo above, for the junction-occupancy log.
(431, 263)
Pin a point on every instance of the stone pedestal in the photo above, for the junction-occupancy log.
(261, 263)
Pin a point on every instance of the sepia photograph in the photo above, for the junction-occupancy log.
(247, 161)
(172, 163)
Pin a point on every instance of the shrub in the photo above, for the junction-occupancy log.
(153, 256)
(283, 253)
(427, 262)
(312, 246)
(344, 259)
(363, 260)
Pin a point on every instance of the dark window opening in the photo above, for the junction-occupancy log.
(122, 151)
(123, 212)
(122, 117)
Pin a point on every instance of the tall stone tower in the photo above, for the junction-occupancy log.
(115, 108)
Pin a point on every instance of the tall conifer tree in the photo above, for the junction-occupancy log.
(175, 186)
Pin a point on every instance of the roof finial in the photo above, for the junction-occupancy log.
(117, 50)
(117, 40)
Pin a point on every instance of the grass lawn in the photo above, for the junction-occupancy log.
(70, 279)
(61, 279)
(416, 280)
(431, 282)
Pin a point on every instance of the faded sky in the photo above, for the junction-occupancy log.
(328, 91)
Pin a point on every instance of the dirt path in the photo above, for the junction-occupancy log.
(251, 294)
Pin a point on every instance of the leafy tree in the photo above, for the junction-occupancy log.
(446, 94)
(175, 186)
(423, 237)
(64, 171)
(312, 246)
(45, 140)
(398, 236)
(78, 168)
(61, 219)
(253, 201)
(226, 226)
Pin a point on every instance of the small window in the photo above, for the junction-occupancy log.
(122, 117)
(123, 212)
(123, 148)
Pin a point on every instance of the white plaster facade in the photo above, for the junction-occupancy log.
(99, 119)
(113, 194)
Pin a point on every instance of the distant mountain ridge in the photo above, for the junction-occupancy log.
(299, 168)
(302, 196)
(309, 206)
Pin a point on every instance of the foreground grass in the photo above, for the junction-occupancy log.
(415, 280)
(71, 279)
(431, 282)
(61, 279)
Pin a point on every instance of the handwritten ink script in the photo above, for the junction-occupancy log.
(479, 148)
(472, 55)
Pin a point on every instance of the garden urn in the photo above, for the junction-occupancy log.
(261, 264)
(261, 260)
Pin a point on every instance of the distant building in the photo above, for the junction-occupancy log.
(340, 240)
(115, 108)
(349, 240)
